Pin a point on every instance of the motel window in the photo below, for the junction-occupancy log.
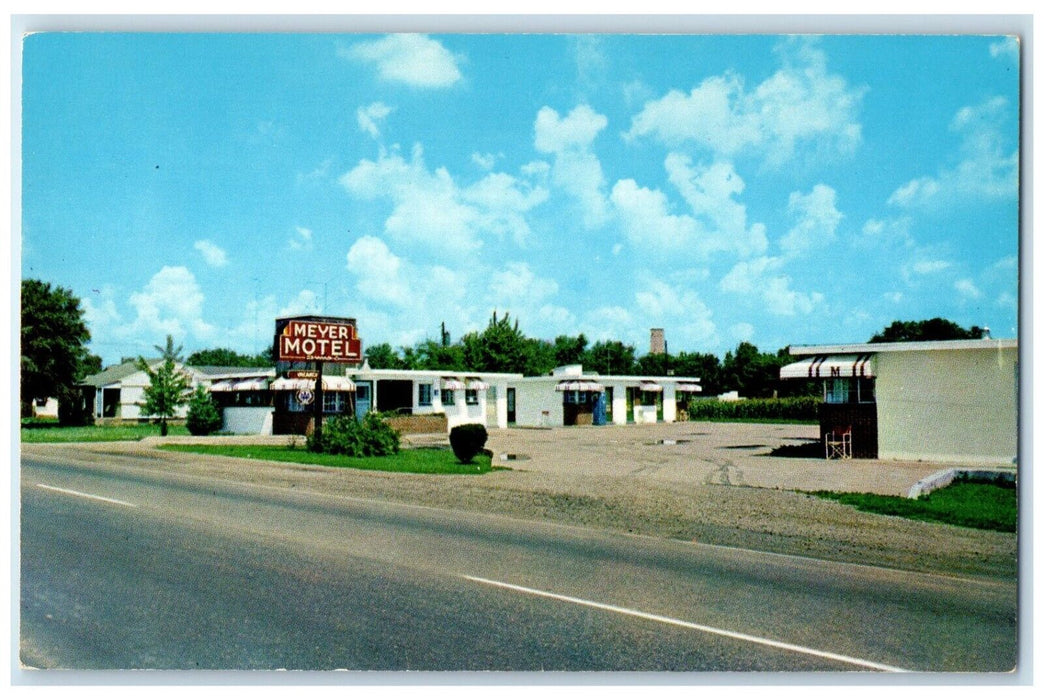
(471, 397)
(579, 398)
(424, 394)
(849, 391)
(333, 402)
(448, 397)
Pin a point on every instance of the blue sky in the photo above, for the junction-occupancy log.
(774, 189)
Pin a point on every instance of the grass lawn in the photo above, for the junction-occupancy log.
(37, 432)
(767, 421)
(965, 503)
(416, 461)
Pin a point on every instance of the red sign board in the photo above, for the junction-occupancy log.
(317, 340)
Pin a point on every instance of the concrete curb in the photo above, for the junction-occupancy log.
(946, 477)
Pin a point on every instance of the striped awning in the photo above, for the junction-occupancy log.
(223, 385)
(650, 386)
(830, 366)
(452, 384)
(251, 384)
(688, 386)
(577, 385)
(329, 384)
(477, 384)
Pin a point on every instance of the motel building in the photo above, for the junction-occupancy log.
(948, 401)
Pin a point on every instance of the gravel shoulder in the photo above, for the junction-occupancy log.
(710, 483)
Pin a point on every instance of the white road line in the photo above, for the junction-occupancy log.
(86, 495)
(692, 625)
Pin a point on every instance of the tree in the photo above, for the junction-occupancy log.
(750, 372)
(610, 357)
(932, 329)
(54, 342)
(501, 347)
(382, 356)
(223, 357)
(569, 350)
(168, 387)
(203, 415)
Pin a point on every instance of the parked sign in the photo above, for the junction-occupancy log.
(314, 339)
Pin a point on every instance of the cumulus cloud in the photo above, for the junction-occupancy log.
(817, 220)
(987, 169)
(689, 316)
(930, 267)
(371, 116)
(715, 220)
(302, 239)
(430, 208)
(576, 169)
(802, 104)
(171, 303)
(380, 272)
(212, 254)
(1007, 48)
(967, 289)
(757, 279)
(413, 59)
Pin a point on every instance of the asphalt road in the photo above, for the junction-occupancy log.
(125, 565)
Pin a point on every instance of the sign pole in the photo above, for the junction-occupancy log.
(317, 430)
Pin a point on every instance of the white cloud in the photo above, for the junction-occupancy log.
(413, 59)
(817, 220)
(881, 233)
(213, 254)
(516, 285)
(371, 116)
(647, 221)
(930, 267)
(710, 191)
(755, 279)
(429, 208)
(485, 161)
(380, 272)
(576, 169)
(801, 104)
(171, 303)
(741, 331)
(987, 169)
(1007, 48)
(302, 239)
(687, 314)
(967, 289)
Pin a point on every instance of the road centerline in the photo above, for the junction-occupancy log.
(764, 641)
(91, 496)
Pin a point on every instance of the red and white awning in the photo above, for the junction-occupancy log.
(223, 385)
(452, 384)
(830, 367)
(688, 387)
(329, 384)
(577, 385)
(251, 384)
(650, 386)
(477, 384)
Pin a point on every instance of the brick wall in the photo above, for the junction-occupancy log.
(426, 423)
(863, 419)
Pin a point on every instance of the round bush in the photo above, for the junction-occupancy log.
(467, 441)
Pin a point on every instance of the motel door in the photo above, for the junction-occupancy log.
(511, 405)
(362, 399)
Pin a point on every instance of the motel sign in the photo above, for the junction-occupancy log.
(317, 339)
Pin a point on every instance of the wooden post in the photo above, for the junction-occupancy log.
(317, 430)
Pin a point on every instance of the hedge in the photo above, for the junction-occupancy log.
(803, 408)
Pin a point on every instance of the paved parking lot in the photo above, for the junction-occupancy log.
(737, 454)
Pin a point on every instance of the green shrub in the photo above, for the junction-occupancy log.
(467, 441)
(344, 435)
(804, 408)
(203, 415)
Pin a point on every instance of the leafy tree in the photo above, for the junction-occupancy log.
(569, 350)
(610, 357)
(751, 372)
(501, 347)
(53, 342)
(932, 329)
(431, 354)
(168, 387)
(382, 356)
(223, 357)
(203, 414)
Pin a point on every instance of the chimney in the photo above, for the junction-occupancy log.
(657, 343)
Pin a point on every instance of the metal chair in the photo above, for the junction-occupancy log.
(838, 443)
